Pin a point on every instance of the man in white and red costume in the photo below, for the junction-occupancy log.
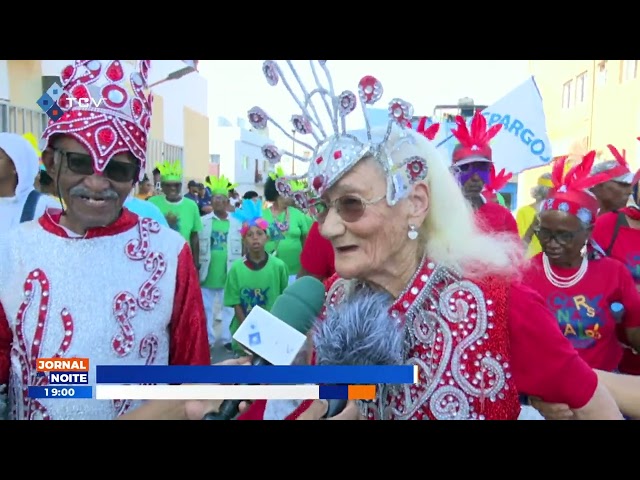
(95, 280)
(473, 167)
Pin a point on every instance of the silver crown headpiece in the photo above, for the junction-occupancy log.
(338, 150)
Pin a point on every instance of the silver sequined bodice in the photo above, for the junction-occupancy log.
(109, 299)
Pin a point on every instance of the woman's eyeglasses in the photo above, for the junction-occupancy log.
(82, 164)
(350, 208)
(563, 237)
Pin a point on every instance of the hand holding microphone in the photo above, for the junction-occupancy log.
(197, 409)
(281, 333)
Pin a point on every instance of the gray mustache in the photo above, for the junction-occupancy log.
(80, 191)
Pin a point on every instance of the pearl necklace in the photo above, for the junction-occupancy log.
(564, 282)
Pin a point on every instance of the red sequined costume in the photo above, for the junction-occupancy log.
(477, 344)
(476, 347)
(124, 294)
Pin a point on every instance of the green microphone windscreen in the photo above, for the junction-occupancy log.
(300, 304)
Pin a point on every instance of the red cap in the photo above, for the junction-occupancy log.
(475, 142)
(570, 191)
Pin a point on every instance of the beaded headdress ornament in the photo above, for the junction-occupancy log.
(474, 141)
(496, 183)
(294, 185)
(170, 171)
(570, 190)
(336, 150)
(220, 185)
(250, 215)
(116, 115)
(277, 173)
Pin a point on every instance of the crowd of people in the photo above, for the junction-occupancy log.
(532, 316)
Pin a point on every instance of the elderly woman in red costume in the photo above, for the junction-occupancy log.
(399, 223)
(618, 234)
(473, 167)
(570, 275)
(614, 193)
(95, 280)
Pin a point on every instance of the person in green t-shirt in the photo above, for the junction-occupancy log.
(214, 283)
(288, 226)
(258, 278)
(182, 214)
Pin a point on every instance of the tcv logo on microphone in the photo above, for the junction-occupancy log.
(269, 337)
(254, 338)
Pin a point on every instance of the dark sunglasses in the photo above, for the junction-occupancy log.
(82, 164)
(478, 166)
(350, 208)
(563, 237)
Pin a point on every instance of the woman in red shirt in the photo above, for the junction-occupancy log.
(618, 234)
(579, 285)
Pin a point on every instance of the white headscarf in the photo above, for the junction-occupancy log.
(25, 159)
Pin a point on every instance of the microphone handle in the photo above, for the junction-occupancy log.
(229, 409)
(335, 407)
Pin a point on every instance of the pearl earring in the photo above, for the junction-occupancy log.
(413, 232)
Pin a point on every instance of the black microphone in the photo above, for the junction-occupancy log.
(359, 332)
(298, 307)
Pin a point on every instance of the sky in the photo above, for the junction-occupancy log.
(235, 86)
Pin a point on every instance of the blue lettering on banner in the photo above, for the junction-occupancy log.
(514, 126)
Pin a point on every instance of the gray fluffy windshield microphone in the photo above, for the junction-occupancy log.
(359, 331)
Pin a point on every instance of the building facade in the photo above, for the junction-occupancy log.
(588, 104)
(237, 152)
(179, 126)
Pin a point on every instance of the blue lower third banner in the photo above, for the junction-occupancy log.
(273, 375)
(68, 391)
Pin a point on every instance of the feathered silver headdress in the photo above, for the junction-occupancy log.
(337, 150)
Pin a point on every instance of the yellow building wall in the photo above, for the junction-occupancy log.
(563, 124)
(25, 82)
(610, 113)
(157, 118)
(196, 145)
(616, 118)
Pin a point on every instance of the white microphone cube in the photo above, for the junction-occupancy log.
(269, 337)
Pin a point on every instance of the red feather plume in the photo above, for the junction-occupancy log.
(618, 157)
(498, 181)
(429, 132)
(579, 176)
(478, 136)
(623, 166)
